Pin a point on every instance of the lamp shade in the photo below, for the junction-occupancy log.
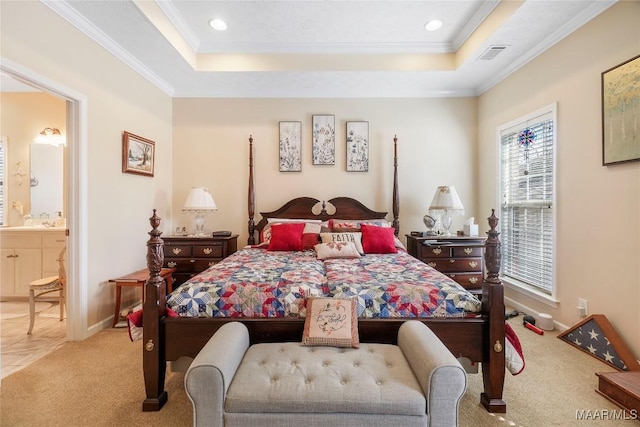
(199, 199)
(446, 199)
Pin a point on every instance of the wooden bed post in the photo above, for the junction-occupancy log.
(493, 371)
(251, 197)
(153, 356)
(396, 201)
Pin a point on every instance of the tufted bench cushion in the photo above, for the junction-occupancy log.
(289, 377)
(416, 383)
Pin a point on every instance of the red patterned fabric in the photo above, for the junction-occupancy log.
(514, 358)
(378, 240)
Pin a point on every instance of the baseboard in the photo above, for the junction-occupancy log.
(509, 302)
(107, 323)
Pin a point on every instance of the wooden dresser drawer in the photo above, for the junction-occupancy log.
(172, 251)
(189, 265)
(435, 252)
(453, 265)
(214, 250)
(467, 280)
(459, 252)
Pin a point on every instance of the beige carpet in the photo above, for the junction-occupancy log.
(9, 310)
(98, 382)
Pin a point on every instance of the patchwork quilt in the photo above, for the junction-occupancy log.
(252, 283)
(398, 285)
(259, 283)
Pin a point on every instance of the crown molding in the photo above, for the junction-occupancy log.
(579, 20)
(62, 8)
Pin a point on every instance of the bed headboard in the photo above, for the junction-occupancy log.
(310, 208)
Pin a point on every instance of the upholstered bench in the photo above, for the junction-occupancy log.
(416, 383)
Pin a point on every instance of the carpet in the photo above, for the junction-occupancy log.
(10, 309)
(98, 382)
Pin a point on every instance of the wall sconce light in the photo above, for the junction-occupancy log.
(50, 136)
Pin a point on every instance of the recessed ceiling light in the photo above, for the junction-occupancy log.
(433, 25)
(218, 24)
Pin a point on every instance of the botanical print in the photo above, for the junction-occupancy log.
(357, 146)
(621, 112)
(290, 146)
(324, 140)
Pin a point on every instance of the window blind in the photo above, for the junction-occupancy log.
(527, 220)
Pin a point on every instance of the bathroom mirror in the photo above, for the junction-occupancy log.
(46, 180)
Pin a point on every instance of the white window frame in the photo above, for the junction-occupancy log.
(511, 282)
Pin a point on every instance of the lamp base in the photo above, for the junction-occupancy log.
(446, 223)
(199, 225)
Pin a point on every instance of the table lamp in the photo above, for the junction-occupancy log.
(445, 203)
(198, 203)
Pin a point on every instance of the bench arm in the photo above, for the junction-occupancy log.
(441, 376)
(207, 379)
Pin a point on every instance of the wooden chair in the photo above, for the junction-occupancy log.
(41, 287)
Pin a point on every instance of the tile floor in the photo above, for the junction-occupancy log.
(17, 349)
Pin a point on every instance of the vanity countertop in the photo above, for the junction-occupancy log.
(38, 228)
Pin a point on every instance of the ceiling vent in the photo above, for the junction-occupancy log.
(492, 52)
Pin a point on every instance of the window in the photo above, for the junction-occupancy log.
(527, 159)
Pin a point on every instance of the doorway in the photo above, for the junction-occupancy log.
(75, 189)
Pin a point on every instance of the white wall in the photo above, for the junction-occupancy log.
(598, 207)
(118, 99)
(436, 146)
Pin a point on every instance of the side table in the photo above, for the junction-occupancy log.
(459, 257)
(138, 279)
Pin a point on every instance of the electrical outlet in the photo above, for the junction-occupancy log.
(583, 307)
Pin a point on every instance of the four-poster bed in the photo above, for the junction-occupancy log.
(479, 337)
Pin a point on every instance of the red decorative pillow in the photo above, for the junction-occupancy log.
(286, 237)
(378, 240)
(310, 235)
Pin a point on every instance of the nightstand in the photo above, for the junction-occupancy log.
(459, 257)
(191, 255)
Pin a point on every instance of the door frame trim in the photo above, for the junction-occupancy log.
(76, 190)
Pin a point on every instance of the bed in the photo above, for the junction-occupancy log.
(468, 327)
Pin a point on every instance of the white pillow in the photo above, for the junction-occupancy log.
(354, 237)
(334, 250)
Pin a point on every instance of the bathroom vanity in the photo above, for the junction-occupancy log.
(27, 254)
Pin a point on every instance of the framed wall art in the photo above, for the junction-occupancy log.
(138, 154)
(324, 140)
(597, 337)
(621, 112)
(290, 146)
(357, 146)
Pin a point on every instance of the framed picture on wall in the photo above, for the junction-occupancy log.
(621, 112)
(290, 146)
(138, 154)
(324, 139)
(357, 146)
